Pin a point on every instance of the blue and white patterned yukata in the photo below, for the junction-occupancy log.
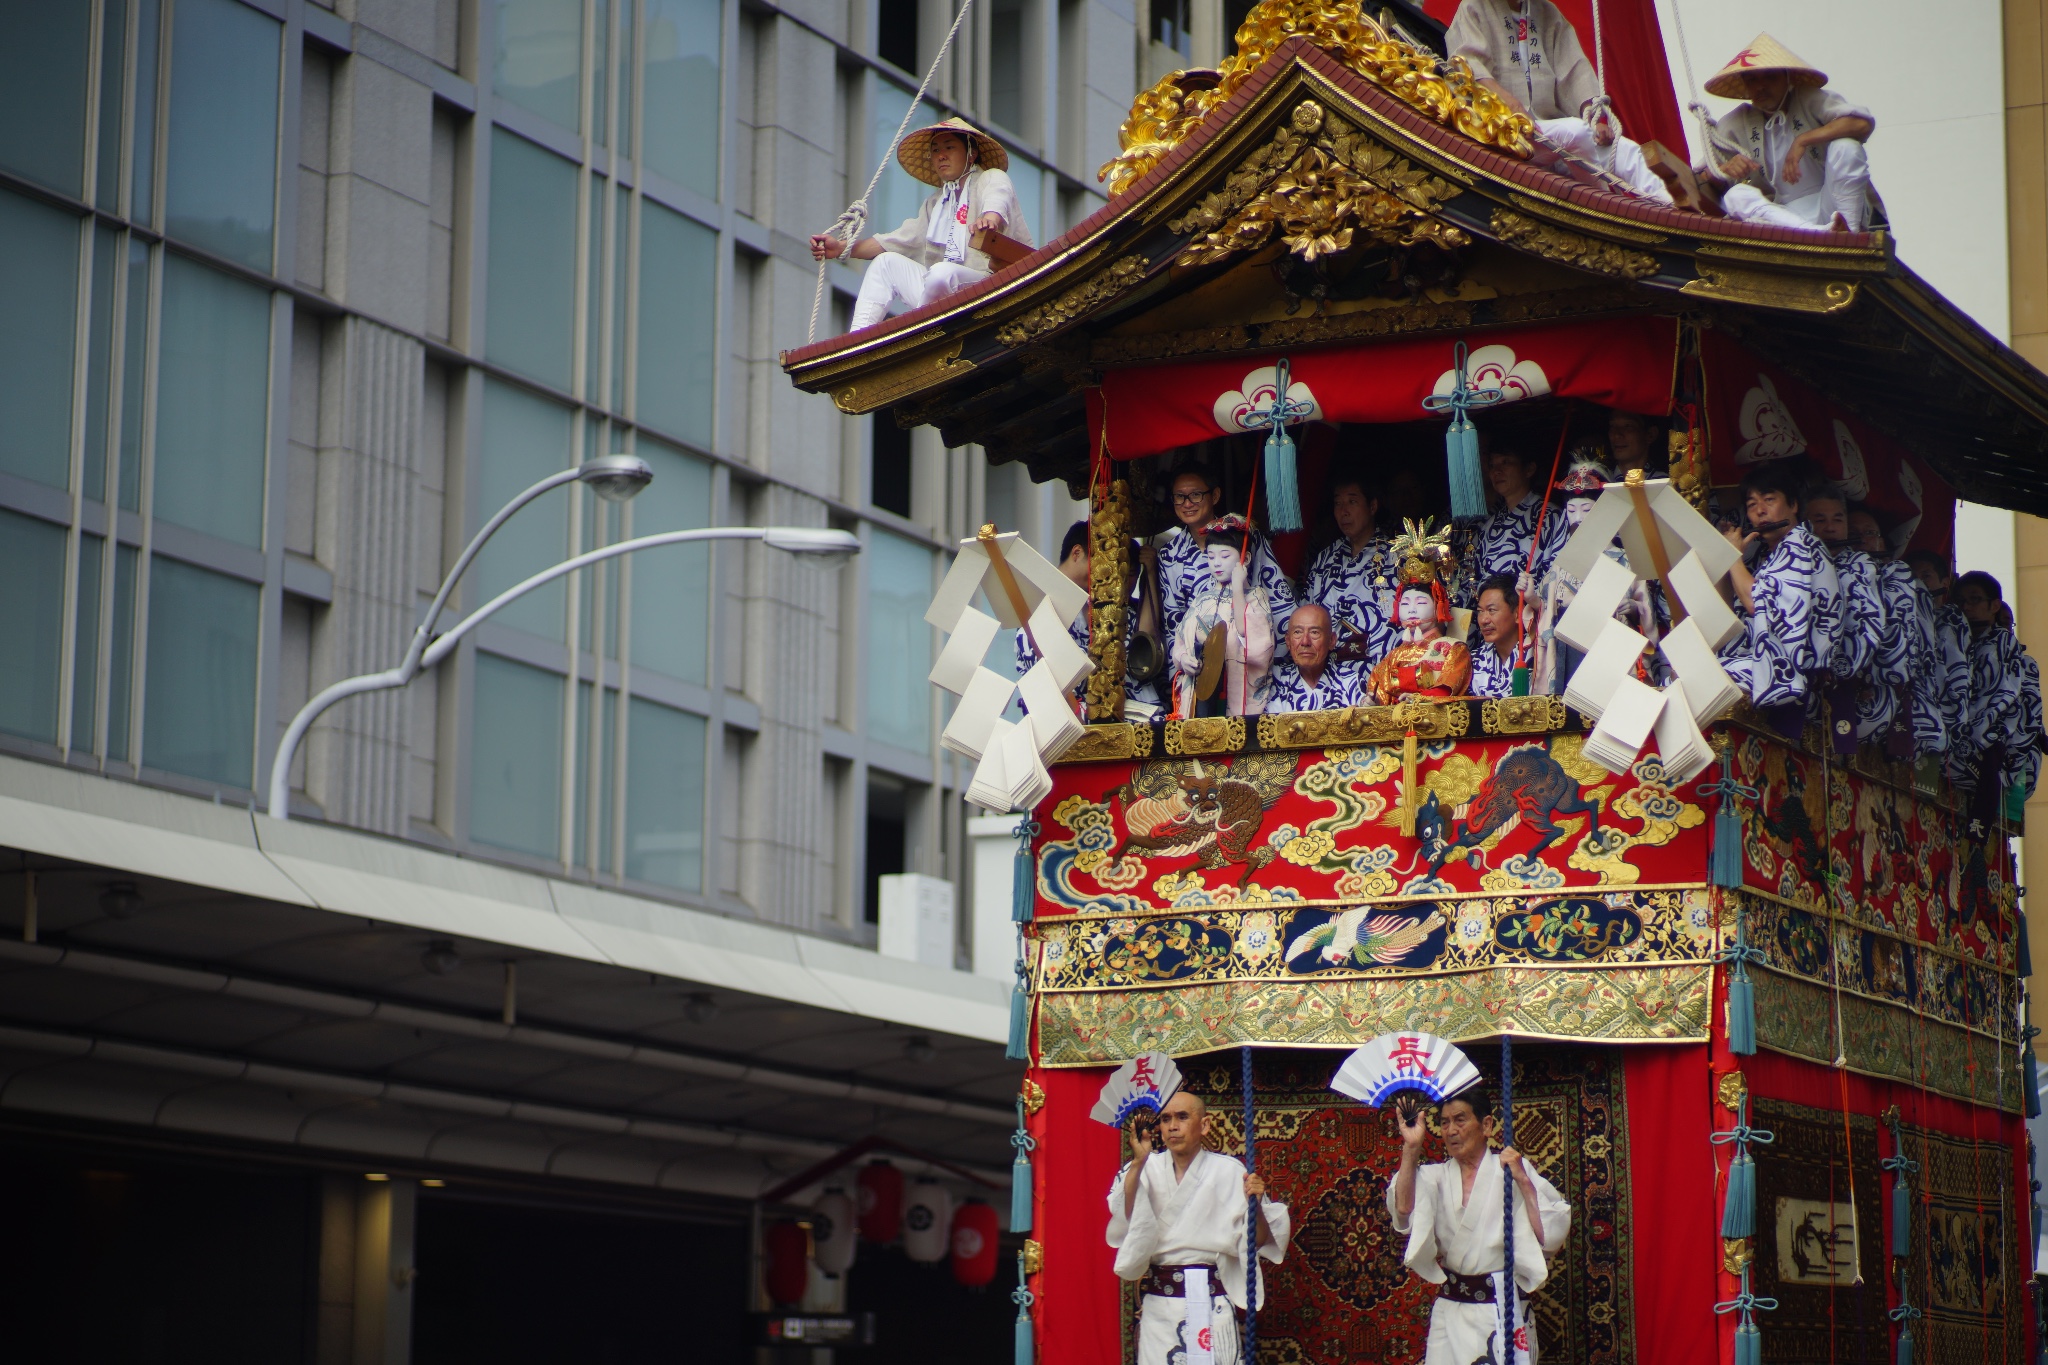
(1357, 588)
(1342, 684)
(1909, 615)
(1184, 573)
(1505, 538)
(1792, 628)
(1493, 675)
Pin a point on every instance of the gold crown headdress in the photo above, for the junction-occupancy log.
(1425, 555)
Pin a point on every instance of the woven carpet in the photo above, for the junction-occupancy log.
(1810, 1248)
(1965, 1271)
(1343, 1297)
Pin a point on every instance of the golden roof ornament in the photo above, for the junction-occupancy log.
(1445, 92)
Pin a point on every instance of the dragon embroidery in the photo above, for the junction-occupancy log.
(1178, 806)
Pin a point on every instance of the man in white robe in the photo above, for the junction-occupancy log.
(1451, 1214)
(1177, 1221)
(1528, 53)
(1801, 162)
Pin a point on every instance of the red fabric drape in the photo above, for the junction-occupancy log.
(1757, 412)
(1637, 73)
(1621, 362)
(1674, 1203)
(1078, 1297)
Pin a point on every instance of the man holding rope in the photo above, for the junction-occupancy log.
(929, 256)
(1450, 1211)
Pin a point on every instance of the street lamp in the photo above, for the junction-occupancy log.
(615, 478)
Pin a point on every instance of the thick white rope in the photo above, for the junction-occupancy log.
(849, 225)
(1696, 106)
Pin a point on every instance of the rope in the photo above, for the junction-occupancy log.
(1251, 1221)
(1694, 106)
(850, 223)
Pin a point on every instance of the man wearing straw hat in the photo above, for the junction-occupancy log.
(929, 257)
(1800, 162)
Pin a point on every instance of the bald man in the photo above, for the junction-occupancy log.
(1308, 679)
(1177, 1221)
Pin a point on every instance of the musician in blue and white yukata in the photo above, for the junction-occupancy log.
(1354, 577)
(1309, 679)
(1506, 535)
(1936, 574)
(1184, 569)
(1498, 619)
(1791, 599)
(1852, 692)
(2005, 694)
(1907, 664)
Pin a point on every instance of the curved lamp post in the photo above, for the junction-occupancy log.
(613, 477)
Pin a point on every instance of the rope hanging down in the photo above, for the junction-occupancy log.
(849, 225)
(1710, 145)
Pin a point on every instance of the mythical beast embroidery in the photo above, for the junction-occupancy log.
(1181, 806)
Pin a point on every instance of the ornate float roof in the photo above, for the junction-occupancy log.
(1324, 142)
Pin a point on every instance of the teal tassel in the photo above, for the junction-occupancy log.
(1468, 486)
(1023, 874)
(1905, 1350)
(1749, 1344)
(1019, 1048)
(1724, 862)
(1026, 1345)
(1741, 1015)
(1738, 1214)
(1020, 1175)
(1902, 1217)
(1283, 491)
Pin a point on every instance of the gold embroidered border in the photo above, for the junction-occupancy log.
(1646, 1005)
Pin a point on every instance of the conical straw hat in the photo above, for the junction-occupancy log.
(915, 151)
(1764, 53)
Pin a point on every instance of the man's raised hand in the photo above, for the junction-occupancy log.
(1413, 1131)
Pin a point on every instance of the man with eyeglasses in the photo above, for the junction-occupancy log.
(1184, 570)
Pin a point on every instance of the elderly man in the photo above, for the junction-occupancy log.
(1802, 163)
(1354, 576)
(928, 257)
(1500, 634)
(1528, 53)
(1451, 1213)
(1177, 1221)
(1308, 679)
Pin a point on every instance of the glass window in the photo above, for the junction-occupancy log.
(86, 652)
(664, 796)
(121, 672)
(530, 295)
(199, 709)
(599, 858)
(32, 624)
(526, 438)
(148, 21)
(43, 59)
(134, 339)
(38, 307)
(680, 84)
(678, 321)
(900, 195)
(899, 642)
(515, 784)
(212, 409)
(99, 408)
(672, 585)
(1006, 63)
(223, 143)
(540, 57)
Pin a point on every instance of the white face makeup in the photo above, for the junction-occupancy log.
(1416, 607)
(1576, 509)
(1222, 559)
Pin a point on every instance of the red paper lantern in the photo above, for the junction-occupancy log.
(974, 1244)
(786, 1250)
(879, 1195)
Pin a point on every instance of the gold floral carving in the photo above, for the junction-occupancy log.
(1797, 293)
(1736, 1254)
(1032, 1096)
(1521, 715)
(880, 390)
(1205, 735)
(1107, 742)
(1034, 1256)
(1571, 248)
(1095, 290)
(1689, 474)
(1361, 725)
(1109, 569)
(1731, 1089)
(1163, 116)
(1316, 185)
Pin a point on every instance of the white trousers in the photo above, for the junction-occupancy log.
(1160, 1329)
(896, 284)
(1623, 156)
(1844, 189)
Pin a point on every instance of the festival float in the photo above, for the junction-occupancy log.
(1758, 999)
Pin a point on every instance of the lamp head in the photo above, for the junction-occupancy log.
(616, 478)
(825, 546)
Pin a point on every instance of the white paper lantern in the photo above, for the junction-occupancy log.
(835, 1232)
(927, 1223)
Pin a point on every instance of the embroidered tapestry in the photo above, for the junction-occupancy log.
(1819, 1246)
(1965, 1270)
